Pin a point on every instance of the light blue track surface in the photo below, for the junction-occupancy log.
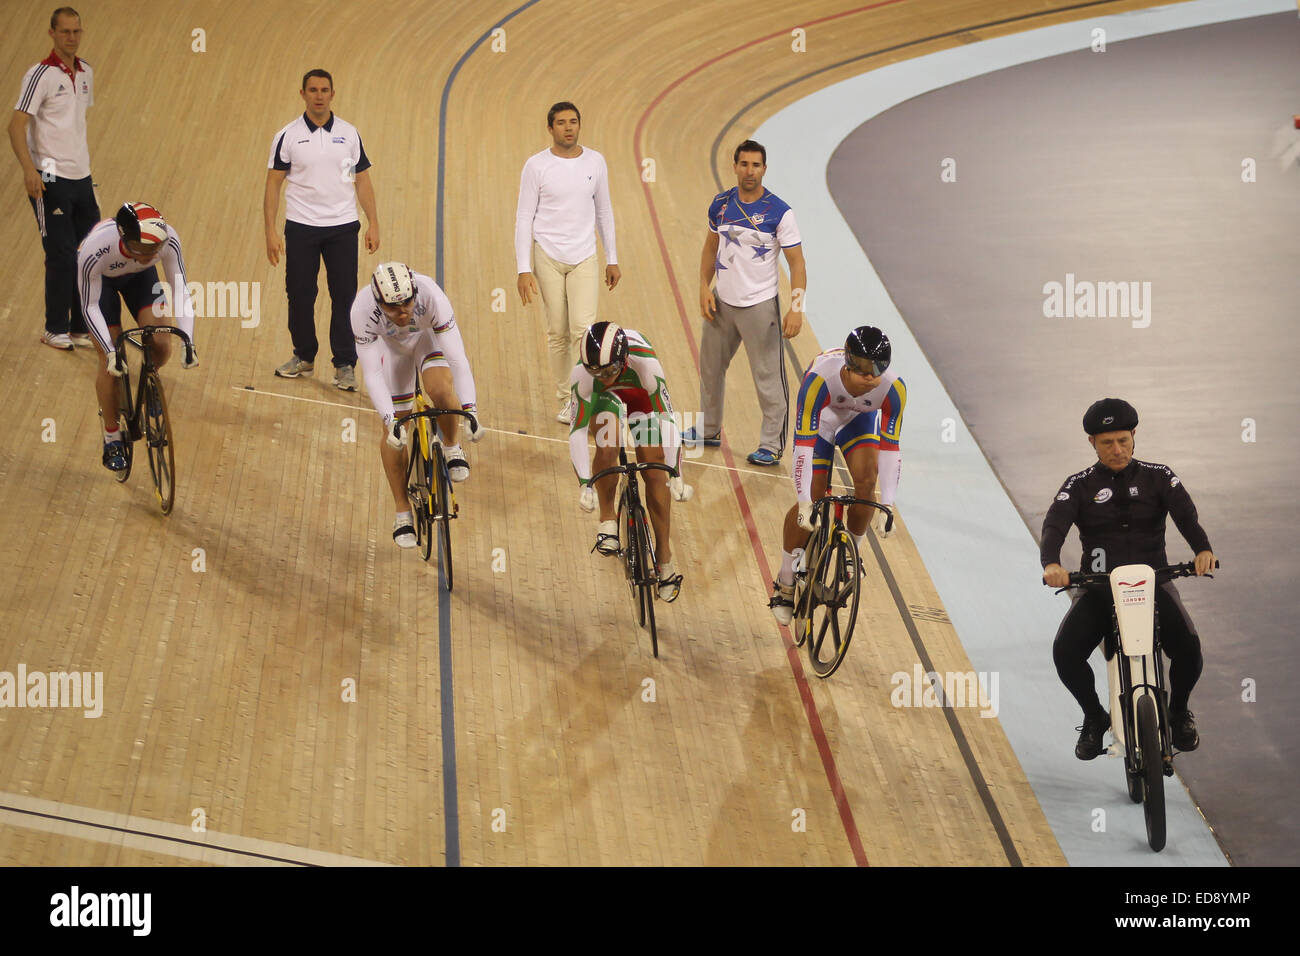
(957, 512)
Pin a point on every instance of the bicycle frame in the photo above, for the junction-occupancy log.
(643, 575)
(141, 338)
(828, 514)
(432, 491)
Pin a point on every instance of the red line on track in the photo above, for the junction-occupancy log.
(764, 569)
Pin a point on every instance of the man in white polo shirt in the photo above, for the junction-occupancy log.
(321, 157)
(749, 227)
(48, 135)
(563, 201)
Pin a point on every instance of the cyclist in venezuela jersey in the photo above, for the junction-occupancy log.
(851, 398)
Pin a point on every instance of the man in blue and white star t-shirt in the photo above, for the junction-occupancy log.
(749, 227)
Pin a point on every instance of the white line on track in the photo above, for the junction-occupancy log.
(248, 390)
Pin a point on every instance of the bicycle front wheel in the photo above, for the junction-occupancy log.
(803, 602)
(418, 491)
(158, 438)
(832, 603)
(443, 512)
(627, 548)
(124, 424)
(649, 582)
(1153, 771)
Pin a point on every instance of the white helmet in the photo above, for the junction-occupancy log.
(393, 283)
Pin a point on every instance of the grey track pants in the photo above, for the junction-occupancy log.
(759, 327)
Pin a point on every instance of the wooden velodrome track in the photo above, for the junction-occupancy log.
(223, 686)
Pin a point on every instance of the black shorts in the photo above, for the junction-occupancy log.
(141, 290)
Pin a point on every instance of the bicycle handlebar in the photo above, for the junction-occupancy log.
(1085, 579)
(432, 413)
(632, 467)
(823, 503)
(146, 332)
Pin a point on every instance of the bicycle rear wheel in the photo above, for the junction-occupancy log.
(833, 603)
(1153, 771)
(443, 512)
(158, 439)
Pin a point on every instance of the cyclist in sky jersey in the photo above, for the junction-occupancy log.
(120, 257)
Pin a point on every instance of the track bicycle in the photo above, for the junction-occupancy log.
(428, 484)
(634, 542)
(1135, 672)
(145, 415)
(826, 584)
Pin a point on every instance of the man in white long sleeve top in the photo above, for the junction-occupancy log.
(403, 322)
(563, 202)
(120, 256)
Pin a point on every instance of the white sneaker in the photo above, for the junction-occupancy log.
(566, 412)
(61, 341)
(82, 340)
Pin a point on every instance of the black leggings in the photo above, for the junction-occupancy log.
(1089, 620)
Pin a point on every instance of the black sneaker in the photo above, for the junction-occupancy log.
(1183, 730)
(1093, 729)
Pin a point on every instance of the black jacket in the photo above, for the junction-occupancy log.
(1122, 514)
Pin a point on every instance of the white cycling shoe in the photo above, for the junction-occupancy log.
(670, 583)
(782, 603)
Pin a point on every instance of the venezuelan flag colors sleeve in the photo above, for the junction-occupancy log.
(889, 462)
(814, 396)
(891, 416)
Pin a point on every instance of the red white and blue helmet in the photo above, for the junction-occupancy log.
(142, 223)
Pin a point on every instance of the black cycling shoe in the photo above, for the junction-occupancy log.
(115, 455)
(1182, 727)
(1093, 729)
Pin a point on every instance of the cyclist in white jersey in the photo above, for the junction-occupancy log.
(849, 398)
(403, 322)
(619, 370)
(120, 256)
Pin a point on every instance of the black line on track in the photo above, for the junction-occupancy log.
(450, 803)
(152, 836)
